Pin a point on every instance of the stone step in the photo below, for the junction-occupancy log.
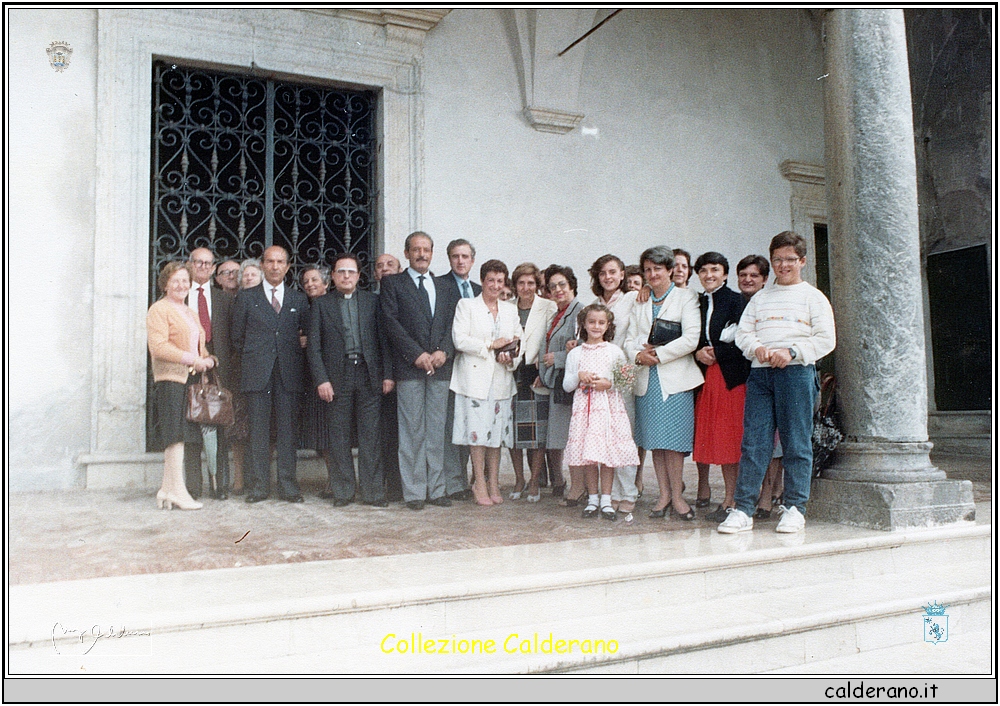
(332, 616)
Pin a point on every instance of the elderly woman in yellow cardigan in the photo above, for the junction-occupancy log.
(177, 348)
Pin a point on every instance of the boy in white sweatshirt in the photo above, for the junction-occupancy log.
(784, 330)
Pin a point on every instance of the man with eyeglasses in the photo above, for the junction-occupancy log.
(784, 330)
(213, 307)
(227, 276)
(350, 368)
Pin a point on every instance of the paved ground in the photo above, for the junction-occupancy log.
(57, 536)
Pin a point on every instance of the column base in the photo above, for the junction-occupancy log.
(884, 462)
(892, 506)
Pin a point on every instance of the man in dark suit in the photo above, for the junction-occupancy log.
(267, 321)
(387, 264)
(213, 307)
(351, 372)
(417, 320)
(461, 256)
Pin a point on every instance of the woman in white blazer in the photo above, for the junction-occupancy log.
(664, 401)
(531, 405)
(483, 380)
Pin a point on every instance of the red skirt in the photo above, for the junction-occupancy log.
(718, 420)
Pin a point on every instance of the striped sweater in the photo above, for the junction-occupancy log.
(796, 316)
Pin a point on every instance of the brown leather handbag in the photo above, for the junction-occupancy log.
(208, 402)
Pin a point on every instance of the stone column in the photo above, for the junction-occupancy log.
(882, 475)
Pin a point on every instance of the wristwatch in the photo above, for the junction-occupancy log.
(792, 352)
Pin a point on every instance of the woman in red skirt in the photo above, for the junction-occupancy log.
(718, 414)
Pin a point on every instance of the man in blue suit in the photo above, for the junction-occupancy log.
(417, 319)
(267, 322)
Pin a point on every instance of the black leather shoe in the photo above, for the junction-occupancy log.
(719, 516)
(460, 495)
(326, 494)
(703, 502)
(222, 495)
(440, 502)
(375, 503)
(762, 514)
(253, 498)
(591, 511)
(687, 516)
(294, 499)
(659, 514)
(341, 502)
(415, 504)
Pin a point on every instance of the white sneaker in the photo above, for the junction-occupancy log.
(791, 520)
(736, 521)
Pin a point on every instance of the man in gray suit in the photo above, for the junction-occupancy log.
(417, 319)
(351, 373)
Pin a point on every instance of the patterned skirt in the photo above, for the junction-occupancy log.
(531, 411)
(486, 422)
(664, 425)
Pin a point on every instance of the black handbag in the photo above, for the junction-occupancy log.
(208, 402)
(826, 432)
(663, 332)
(559, 394)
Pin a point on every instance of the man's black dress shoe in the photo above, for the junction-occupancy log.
(253, 498)
(440, 502)
(415, 504)
(461, 495)
(326, 494)
(222, 495)
(375, 503)
(294, 499)
(341, 502)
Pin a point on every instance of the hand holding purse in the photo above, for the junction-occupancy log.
(663, 332)
(208, 402)
(514, 347)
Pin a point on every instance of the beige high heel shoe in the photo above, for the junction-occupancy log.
(165, 501)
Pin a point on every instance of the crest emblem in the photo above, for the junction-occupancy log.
(935, 623)
(59, 54)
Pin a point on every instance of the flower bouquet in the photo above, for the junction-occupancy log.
(624, 377)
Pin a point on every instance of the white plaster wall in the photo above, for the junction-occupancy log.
(688, 115)
(50, 251)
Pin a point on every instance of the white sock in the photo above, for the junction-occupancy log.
(605, 501)
(592, 500)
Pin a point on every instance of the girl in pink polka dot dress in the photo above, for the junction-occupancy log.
(600, 435)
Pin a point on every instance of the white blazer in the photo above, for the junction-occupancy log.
(535, 328)
(677, 369)
(475, 363)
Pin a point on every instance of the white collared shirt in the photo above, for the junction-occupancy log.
(192, 298)
(279, 292)
(428, 285)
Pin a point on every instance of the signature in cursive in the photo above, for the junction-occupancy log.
(89, 637)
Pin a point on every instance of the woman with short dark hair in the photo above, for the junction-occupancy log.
(562, 332)
(718, 427)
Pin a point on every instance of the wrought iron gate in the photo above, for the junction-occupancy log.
(240, 163)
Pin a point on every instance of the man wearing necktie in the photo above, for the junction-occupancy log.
(417, 319)
(267, 322)
(213, 307)
(461, 256)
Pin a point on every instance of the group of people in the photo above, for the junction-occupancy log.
(425, 373)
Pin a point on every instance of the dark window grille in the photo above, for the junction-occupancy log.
(240, 163)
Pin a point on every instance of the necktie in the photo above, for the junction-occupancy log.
(203, 317)
(274, 300)
(424, 295)
(465, 290)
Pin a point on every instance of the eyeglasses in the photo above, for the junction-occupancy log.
(558, 285)
(203, 263)
(346, 271)
(784, 260)
(227, 273)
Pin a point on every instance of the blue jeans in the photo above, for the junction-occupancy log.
(784, 399)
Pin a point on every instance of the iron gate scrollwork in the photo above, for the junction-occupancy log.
(240, 163)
